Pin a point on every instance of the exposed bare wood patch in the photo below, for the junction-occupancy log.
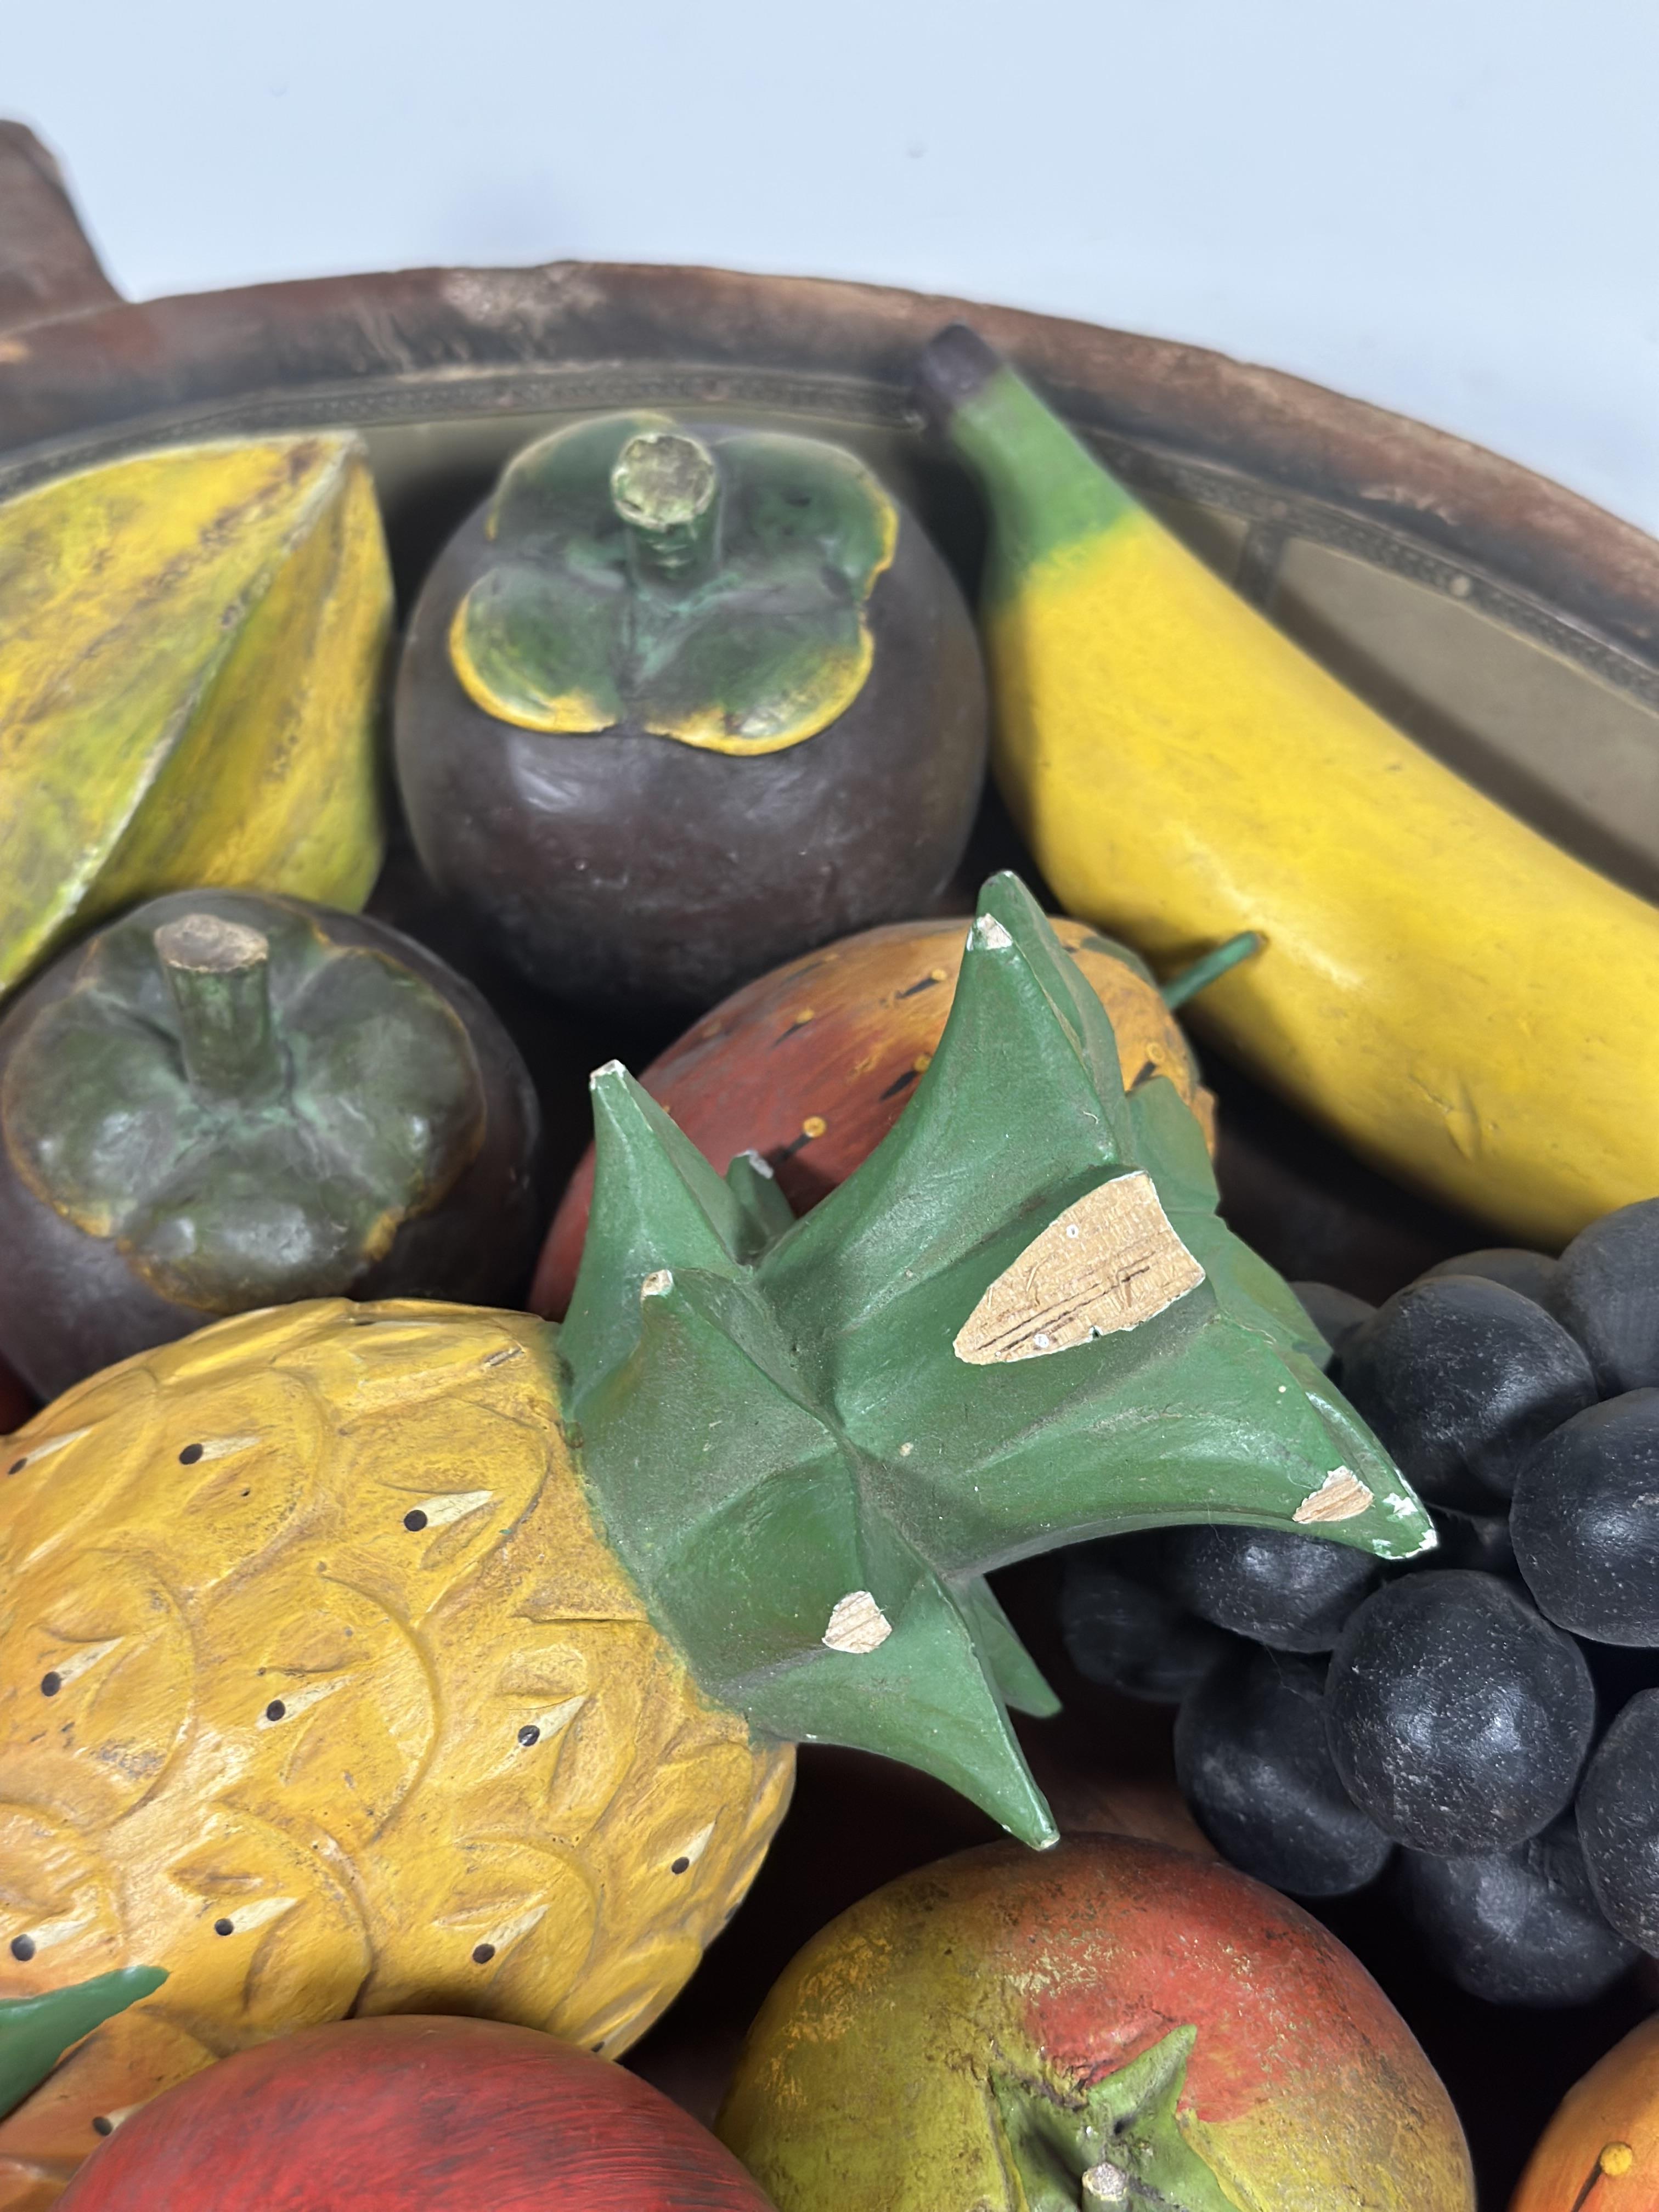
(1105, 2184)
(857, 1625)
(1107, 1264)
(1338, 1497)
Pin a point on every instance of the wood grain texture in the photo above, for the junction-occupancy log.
(1108, 1263)
(414, 2115)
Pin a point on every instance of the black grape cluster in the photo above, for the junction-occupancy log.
(1484, 1723)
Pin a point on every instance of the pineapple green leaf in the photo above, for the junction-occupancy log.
(35, 2032)
(658, 1204)
(1021, 1323)
(756, 1189)
(1012, 1668)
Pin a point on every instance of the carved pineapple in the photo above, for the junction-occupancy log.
(414, 1657)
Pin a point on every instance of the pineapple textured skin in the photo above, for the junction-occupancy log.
(321, 1687)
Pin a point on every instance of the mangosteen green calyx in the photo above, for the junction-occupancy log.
(226, 1101)
(678, 704)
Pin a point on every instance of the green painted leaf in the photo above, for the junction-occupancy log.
(1116, 2141)
(782, 1422)
(36, 2032)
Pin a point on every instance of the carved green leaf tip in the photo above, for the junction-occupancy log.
(36, 2032)
(1020, 1324)
(1117, 2140)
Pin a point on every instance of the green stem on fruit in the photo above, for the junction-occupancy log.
(1116, 2141)
(1202, 973)
(219, 973)
(665, 490)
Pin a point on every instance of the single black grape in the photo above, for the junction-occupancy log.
(1274, 1584)
(1457, 1716)
(1529, 1273)
(1585, 1521)
(1480, 1541)
(1460, 1377)
(1619, 1821)
(1253, 1763)
(1606, 1291)
(1336, 1313)
(1519, 1927)
(1121, 1630)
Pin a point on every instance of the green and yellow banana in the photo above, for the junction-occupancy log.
(1464, 1004)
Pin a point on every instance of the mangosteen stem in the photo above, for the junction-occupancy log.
(1202, 973)
(219, 973)
(666, 488)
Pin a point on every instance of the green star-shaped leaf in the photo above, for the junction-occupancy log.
(1076, 2147)
(1020, 1324)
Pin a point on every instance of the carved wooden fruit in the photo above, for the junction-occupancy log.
(676, 705)
(1600, 2152)
(416, 2115)
(811, 1066)
(226, 1101)
(409, 1657)
(192, 644)
(1113, 2023)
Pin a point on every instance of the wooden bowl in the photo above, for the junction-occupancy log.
(1508, 625)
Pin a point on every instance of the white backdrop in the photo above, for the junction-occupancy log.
(1448, 206)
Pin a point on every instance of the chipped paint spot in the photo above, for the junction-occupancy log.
(1105, 2184)
(988, 935)
(657, 1284)
(760, 1164)
(857, 1625)
(1338, 1497)
(1105, 1265)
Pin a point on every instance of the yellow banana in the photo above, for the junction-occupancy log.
(1464, 1004)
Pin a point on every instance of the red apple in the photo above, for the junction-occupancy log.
(811, 1064)
(412, 2114)
(1110, 2022)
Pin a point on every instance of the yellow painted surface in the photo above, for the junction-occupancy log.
(191, 646)
(1466, 1006)
(285, 1756)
